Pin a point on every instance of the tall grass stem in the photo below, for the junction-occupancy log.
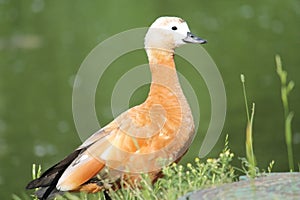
(245, 96)
(249, 132)
(286, 88)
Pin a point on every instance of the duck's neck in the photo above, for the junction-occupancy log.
(163, 57)
(162, 67)
(163, 71)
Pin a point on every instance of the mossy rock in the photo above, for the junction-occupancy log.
(271, 186)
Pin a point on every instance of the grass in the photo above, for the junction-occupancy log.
(252, 170)
(177, 180)
(286, 88)
(181, 179)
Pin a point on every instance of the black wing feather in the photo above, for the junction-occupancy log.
(49, 178)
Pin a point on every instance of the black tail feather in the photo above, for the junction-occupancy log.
(48, 180)
(42, 193)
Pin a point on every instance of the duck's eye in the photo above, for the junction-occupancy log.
(174, 28)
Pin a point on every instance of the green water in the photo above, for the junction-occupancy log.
(43, 43)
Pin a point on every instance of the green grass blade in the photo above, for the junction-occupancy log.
(249, 132)
(286, 88)
(249, 145)
(245, 96)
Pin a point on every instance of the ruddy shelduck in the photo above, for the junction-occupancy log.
(144, 138)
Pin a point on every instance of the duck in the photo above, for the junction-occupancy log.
(141, 140)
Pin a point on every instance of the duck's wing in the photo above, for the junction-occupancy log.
(127, 144)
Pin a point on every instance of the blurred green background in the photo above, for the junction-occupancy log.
(43, 43)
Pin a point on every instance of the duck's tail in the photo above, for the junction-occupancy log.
(48, 180)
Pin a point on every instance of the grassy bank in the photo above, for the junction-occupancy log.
(180, 179)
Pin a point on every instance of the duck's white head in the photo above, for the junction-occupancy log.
(168, 33)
